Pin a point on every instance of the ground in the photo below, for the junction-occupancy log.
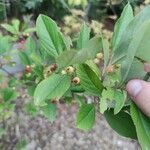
(39, 134)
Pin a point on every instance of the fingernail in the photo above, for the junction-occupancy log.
(147, 67)
(134, 87)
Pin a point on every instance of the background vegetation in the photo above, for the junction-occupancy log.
(18, 41)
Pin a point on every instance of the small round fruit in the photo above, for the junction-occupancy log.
(70, 69)
(63, 72)
(76, 80)
(53, 67)
(26, 35)
(28, 69)
(99, 55)
(110, 69)
(96, 61)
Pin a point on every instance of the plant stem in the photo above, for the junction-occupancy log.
(5, 11)
(147, 76)
(6, 71)
(87, 10)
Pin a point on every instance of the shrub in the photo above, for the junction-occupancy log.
(57, 69)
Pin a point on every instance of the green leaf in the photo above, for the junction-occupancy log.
(2, 132)
(107, 95)
(31, 90)
(121, 24)
(103, 105)
(86, 117)
(53, 87)
(136, 71)
(13, 82)
(28, 30)
(36, 58)
(142, 124)
(83, 37)
(139, 42)
(130, 32)
(68, 42)
(4, 44)
(77, 57)
(77, 89)
(22, 144)
(16, 25)
(49, 111)
(93, 66)
(31, 109)
(30, 46)
(89, 80)
(119, 98)
(105, 44)
(9, 28)
(121, 123)
(9, 94)
(24, 58)
(50, 36)
(38, 70)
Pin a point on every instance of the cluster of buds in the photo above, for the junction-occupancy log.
(76, 80)
(68, 70)
(49, 70)
(28, 69)
(99, 57)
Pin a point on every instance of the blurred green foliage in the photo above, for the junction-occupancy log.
(94, 9)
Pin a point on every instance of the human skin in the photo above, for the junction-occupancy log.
(139, 90)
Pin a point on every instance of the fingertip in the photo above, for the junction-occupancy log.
(134, 87)
(139, 90)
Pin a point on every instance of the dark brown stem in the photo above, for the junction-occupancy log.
(6, 71)
(147, 76)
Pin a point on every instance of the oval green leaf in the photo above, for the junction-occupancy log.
(121, 123)
(86, 117)
(53, 87)
(89, 80)
(142, 124)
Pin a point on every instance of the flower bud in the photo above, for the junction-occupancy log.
(76, 80)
